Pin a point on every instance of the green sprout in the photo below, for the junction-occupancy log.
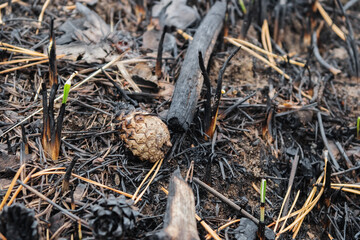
(242, 6)
(262, 199)
(358, 128)
(66, 90)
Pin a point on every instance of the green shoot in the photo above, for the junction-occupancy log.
(242, 6)
(358, 128)
(262, 199)
(67, 87)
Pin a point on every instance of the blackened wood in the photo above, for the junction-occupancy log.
(189, 83)
(179, 220)
(207, 105)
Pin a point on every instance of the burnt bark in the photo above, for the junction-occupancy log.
(179, 220)
(189, 84)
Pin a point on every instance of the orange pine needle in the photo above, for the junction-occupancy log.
(13, 182)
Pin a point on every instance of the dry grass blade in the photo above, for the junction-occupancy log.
(144, 180)
(24, 66)
(43, 197)
(184, 35)
(4, 5)
(330, 22)
(84, 179)
(203, 223)
(266, 41)
(282, 207)
(41, 16)
(28, 177)
(345, 185)
(258, 56)
(13, 182)
(347, 190)
(127, 77)
(207, 228)
(208, 236)
(22, 60)
(282, 58)
(2, 237)
(12, 48)
(71, 89)
(308, 206)
(21, 51)
(150, 181)
(288, 215)
(28, 65)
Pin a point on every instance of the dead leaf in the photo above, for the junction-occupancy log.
(177, 14)
(79, 192)
(97, 53)
(143, 70)
(166, 90)
(151, 40)
(4, 183)
(7, 161)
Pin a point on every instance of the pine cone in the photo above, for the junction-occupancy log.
(112, 218)
(18, 223)
(145, 135)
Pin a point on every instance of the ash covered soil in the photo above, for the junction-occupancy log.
(279, 120)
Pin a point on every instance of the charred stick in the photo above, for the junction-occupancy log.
(319, 57)
(236, 104)
(56, 140)
(262, 8)
(217, 99)
(323, 136)
(65, 183)
(348, 163)
(345, 171)
(207, 117)
(294, 165)
(220, 78)
(352, 46)
(51, 110)
(189, 84)
(8, 143)
(24, 139)
(159, 53)
(57, 206)
(226, 200)
(179, 220)
(46, 125)
(349, 4)
(247, 20)
(52, 56)
(327, 187)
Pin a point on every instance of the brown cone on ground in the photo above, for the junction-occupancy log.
(145, 135)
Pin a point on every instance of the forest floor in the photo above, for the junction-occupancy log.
(271, 125)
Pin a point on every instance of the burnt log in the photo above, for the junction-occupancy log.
(179, 219)
(189, 84)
